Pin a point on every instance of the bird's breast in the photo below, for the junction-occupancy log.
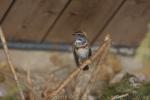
(83, 53)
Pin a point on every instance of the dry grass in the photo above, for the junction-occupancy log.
(110, 67)
(10, 63)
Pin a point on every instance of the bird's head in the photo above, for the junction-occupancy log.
(80, 39)
(79, 34)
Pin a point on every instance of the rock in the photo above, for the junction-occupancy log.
(134, 82)
(118, 77)
(140, 77)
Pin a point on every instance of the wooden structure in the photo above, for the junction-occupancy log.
(55, 20)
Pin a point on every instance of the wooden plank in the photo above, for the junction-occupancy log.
(4, 5)
(130, 24)
(29, 20)
(87, 15)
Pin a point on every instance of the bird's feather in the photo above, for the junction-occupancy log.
(76, 57)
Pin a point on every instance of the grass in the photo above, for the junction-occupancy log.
(123, 87)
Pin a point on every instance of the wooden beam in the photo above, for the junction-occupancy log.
(29, 20)
(87, 15)
(130, 24)
(4, 5)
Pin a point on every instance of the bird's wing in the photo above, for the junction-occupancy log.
(76, 57)
(90, 52)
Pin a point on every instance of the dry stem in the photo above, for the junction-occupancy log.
(102, 55)
(31, 94)
(44, 93)
(10, 63)
(100, 60)
(119, 96)
(76, 71)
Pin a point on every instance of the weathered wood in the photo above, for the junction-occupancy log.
(29, 20)
(87, 15)
(130, 24)
(4, 5)
(37, 20)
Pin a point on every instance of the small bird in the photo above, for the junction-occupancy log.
(81, 49)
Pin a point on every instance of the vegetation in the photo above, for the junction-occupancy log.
(134, 93)
(143, 52)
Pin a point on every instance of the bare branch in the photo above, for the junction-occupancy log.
(100, 60)
(97, 68)
(44, 93)
(10, 63)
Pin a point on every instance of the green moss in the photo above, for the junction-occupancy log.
(10, 97)
(144, 89)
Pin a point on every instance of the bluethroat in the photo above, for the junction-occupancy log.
(81, 49)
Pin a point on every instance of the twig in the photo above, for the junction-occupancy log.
(97, 68)
(100, 60)
(44, 93)
(76, 71)
(119, 96)
(31, 94)
(10, 63)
